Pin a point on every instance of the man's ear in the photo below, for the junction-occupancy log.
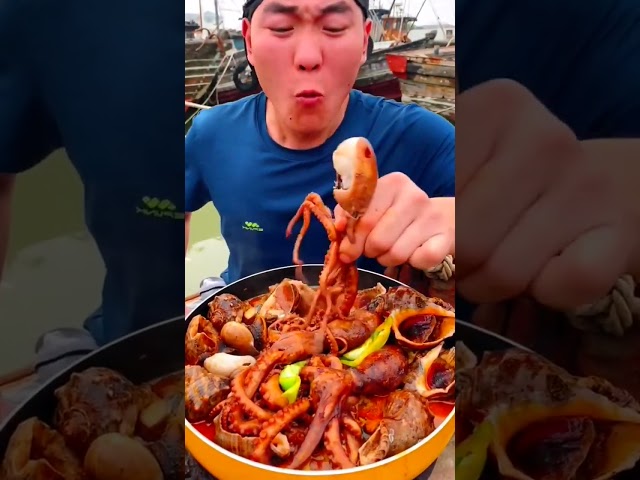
(365, 44)
(246, 33)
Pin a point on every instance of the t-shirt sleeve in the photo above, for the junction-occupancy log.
(28, 132)
(436, 170)
(195, 190)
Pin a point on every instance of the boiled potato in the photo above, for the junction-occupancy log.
(114, 456)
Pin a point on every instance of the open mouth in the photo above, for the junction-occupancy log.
(309, 94)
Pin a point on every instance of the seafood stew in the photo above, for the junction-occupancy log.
(520, 416)
(320, 411)
(117, 413)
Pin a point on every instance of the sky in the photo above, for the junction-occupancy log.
(231, 10)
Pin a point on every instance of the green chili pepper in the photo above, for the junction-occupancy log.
(471, 454)
(374, 343)
(290, 380)
(291, 393)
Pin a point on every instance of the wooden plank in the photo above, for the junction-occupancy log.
(436, 70)
(414, 89)
(432, 80)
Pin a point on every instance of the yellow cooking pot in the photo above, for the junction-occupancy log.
(405, 466)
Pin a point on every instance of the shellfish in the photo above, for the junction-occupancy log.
(547, 423)
(433, 375)
(424, 328)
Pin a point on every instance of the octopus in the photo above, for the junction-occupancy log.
(540, 422)
(309, 338)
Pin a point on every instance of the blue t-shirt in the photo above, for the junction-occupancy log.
(112, 95)
(257, 185)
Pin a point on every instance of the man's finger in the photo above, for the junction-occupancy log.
(483, 113)
(382, 199)
(549, 226)
(402, 249)
(387, 232)
(431, 253)
(340, 218)
(511, 182)
(585, 271)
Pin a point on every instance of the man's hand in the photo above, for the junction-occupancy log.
(402, 225)
(537, 215)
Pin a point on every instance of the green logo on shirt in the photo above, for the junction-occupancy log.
(154, 207)
(252, 226)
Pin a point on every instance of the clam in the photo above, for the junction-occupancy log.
(287, 297)
(238, 336)
(228, 366)
(433, 375)
(424, 328)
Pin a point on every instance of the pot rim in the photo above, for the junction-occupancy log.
(322, 473)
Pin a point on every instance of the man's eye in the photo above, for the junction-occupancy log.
(334, 29)
(281, 29)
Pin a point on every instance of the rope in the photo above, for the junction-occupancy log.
(444, 271)
(613, 314)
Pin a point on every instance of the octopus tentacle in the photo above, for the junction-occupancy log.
(271, 393)
(215, 411)
(227, 406)
(353, 446)
(235, 423)
(255, 374)
(352, 436)
(244, 398)
(350, 425)
(275, 425)
(329, 388)
(332, 442)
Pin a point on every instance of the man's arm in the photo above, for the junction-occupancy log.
(6, 192)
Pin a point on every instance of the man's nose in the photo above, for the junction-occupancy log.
(308, 55)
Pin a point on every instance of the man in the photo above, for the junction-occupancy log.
(256, 159)
(130, 167)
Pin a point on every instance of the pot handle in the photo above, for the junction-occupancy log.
(210, 285)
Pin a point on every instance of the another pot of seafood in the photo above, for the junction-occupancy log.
(519, 416)
(116, 414)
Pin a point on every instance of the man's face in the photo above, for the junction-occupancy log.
(307, 54)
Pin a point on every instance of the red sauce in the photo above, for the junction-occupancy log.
(440, 410)
(206, 429)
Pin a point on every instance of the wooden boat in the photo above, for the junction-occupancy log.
(212, 61)
(231, 78)
(427, 77)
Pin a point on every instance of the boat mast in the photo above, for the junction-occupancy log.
(217, 15)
